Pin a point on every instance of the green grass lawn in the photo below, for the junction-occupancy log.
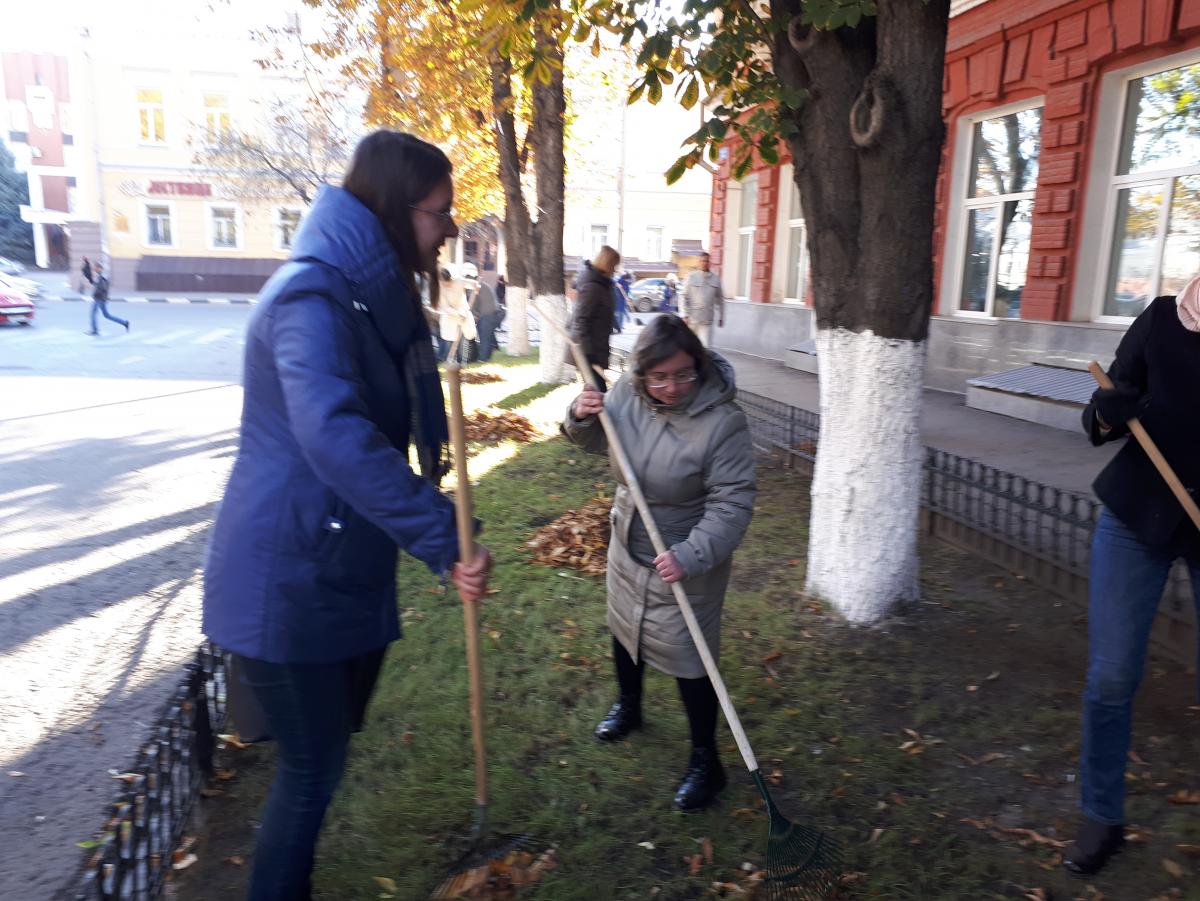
(915, 744)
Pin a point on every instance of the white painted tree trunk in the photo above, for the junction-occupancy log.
(517, 320)
(552, 351)
(862, 551)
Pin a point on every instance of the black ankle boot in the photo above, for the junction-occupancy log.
(1094, 844)
(705, 777)
(622, 718)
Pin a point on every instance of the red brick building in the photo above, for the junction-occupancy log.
(1069, 194)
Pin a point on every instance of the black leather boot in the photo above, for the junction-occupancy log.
(1094, 844)
(622, 718)
(704, 779)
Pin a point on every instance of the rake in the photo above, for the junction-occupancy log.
(803, 864)
(487, 852)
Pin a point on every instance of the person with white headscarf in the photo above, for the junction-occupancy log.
(1142, 531)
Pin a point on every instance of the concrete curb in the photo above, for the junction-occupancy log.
(176, 300)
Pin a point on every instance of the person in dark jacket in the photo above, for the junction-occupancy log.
(100, 302)
(1142, 530)
(501, 300)
(591, 325)
(86, 271)
(340, 381)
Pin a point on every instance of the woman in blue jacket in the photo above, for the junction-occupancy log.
(340, 382)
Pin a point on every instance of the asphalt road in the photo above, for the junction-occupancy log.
(113, 453)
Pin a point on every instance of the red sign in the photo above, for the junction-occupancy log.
(180, 188)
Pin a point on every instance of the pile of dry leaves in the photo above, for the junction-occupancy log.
(482, 426)
(497, 880)
(475, 377)
(578, 538)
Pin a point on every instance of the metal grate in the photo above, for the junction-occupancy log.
(1071, 386)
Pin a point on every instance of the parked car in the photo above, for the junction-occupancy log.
(647, 295)
(10, 267)
(15, 307)
(27, 286)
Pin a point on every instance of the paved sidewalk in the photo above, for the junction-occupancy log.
(1055, 457)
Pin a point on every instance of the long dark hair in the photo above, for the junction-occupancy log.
(389, 172)
(665, 336)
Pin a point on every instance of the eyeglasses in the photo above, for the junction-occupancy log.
(658, 382)
(447, 216)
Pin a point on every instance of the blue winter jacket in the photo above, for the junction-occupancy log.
(302, 563)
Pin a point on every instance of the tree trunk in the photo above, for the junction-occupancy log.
(518, 229)
(866, 163)
(549, 108)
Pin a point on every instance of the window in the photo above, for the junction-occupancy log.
(599, 237)
(40, 101)
(223, 228)
(654, 242)
(747, 209)
(216, 117)
(151, 116)
(286, 223)
(18, 116)
(797, 264)
(1156, 226)
(998, 213)
(158, 225)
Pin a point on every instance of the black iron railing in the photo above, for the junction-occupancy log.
(131, 855)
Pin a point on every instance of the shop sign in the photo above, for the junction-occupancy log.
(180, 189)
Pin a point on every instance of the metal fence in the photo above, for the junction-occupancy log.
(131, 857)
(1039, 531)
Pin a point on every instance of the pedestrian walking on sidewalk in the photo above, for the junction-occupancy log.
(100, 302)
(1142, 531)
(690, 447)
(591, 326)
(340, 381)
(703, 300)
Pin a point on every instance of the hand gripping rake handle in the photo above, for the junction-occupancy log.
(639, 500)
(1152, 451)
(466, 544)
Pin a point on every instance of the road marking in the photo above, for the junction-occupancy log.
(168, 337)
(215, 335)
(128, 360)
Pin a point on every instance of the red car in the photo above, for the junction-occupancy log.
(15, 308)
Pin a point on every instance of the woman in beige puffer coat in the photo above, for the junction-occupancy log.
(689, 446)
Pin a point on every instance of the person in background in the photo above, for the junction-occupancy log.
(300, 579)
(86, 271)
(690, 446)
(703, 300)
(100, 302)
(591, 326)
(501, 300)
(620, 306)
(454, 313)
(486, 313)
(1143, 530)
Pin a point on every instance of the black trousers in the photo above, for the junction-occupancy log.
(699, 696)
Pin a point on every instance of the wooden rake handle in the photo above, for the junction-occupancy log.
(643, 508)
(1152, 451)
(466, 554)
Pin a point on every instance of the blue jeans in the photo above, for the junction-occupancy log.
(311, 710)
(101, 306)
(1126, 583)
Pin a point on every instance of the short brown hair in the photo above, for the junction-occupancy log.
(607, 258)
(665, 336)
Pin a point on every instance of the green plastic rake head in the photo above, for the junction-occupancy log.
(802, 864)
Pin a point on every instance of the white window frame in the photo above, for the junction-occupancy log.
(592, 247)
(148, 108)
(278, 226)
(207, 114)
(1104, 177)
(145, 224)
(803, 270)
(656, 235)
(745, 280)
(210, 221)
(961, 206)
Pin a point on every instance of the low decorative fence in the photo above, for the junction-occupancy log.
(1036, 530)
(133, 854)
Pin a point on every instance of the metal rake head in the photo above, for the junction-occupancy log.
(498, 855)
